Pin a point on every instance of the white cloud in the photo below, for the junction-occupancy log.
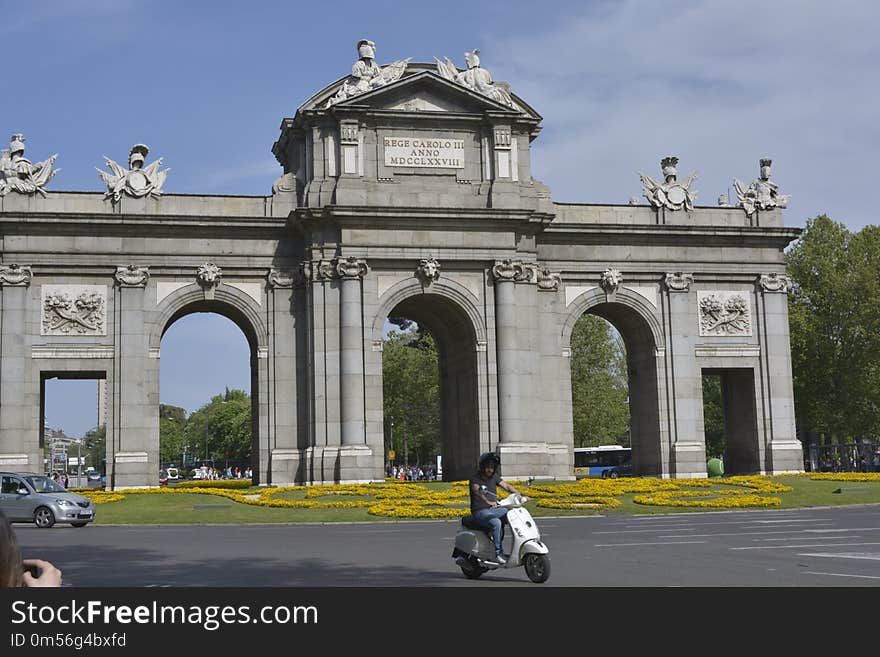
(720, 84)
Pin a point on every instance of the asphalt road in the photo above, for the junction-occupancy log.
(815, 547)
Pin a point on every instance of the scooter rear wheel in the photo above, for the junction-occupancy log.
(537, 567)
(471, 569)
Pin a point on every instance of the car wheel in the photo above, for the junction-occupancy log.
(44, 518)
(613, 474)
(78, 524)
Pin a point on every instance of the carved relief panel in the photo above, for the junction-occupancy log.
(73, 310)
(724, 313)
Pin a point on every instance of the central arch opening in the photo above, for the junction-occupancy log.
(208, 403)
(444, 324)
(640, 376)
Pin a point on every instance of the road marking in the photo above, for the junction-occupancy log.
(779, 547)
(843, 555)
(644, 531)
(655, 543)
(842, 538)
(813, 572)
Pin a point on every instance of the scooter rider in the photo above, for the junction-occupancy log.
(484, 499)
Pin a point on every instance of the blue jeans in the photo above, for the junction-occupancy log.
(491, 519)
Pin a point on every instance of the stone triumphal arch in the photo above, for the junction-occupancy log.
(406, 189)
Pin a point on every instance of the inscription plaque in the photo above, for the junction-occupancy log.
(424, 152)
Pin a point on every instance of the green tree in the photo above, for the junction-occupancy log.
(713, 416)
(172, 437)
(411, 392)
(95, 443)
(599, 386)
(221, 429)
(835, 329)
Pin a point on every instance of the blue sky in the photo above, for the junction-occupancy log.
(719, 83)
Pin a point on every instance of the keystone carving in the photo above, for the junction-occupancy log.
(610, 281)
(132, 276)
(208, 276)
(775, 283)
(724, 314)
(15, 275)
(428, 270)
(678, 281)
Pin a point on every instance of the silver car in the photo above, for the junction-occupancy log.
(28, 497)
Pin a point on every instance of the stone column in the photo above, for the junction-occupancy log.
(351, 271)
(688, 458)
(20, 447)
(786, 451)
(505, 345)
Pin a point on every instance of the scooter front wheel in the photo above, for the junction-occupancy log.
(537, 567)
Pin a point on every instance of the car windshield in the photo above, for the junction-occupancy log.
(44, 485)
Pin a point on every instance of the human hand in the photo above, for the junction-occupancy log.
(47, 574)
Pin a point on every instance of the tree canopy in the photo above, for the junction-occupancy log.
(411, 393)
(835, 329)
(599, 385)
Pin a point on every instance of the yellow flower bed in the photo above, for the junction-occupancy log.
(732, 501)
(395, 499)
(845, 476)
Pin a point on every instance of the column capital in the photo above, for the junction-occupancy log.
(678, 281)
(515, 271)
(132, 276)
(351, 267)
(15, 275)
(775, 282)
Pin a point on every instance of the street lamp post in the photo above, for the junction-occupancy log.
(391, 446)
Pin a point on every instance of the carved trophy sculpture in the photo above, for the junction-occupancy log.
(670, 194)
(763, 194)
(18, 174)
(477, 79)
(366, 74)
(138, 180)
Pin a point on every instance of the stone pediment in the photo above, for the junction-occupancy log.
(421, 91)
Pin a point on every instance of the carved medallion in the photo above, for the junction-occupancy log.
(724, 314)
(132, 276)
(74, 310)
(15, 275)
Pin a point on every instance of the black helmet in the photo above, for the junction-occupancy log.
(487, 457)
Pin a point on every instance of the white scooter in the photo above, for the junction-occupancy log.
(474, 549)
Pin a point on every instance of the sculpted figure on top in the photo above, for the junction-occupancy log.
(138, 180)
(366, 74)
(18, 174)
(477, 79)
(763, 194)
(669, 194)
